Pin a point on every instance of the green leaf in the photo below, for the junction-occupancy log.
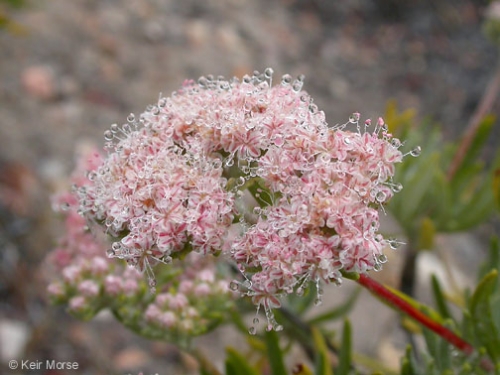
(493, 259)
(463, 184)
(477, 209)
(478, 142)
(444, 355)
(494, 262)
(337, 312)
(237, 364)
(439, 298)
(345, 353)
(416, 187)
(407, 363)
(439, 200)
(431, 342)
(439, 350)
(323, 366)
(444, 351)
(485, 328)
(274, 353)
(468, 328)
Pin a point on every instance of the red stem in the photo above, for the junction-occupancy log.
(485, 105)
(393, 299)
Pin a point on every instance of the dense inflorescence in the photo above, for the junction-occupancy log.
(193, 298)
(251, 170)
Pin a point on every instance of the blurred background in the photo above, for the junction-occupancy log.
(69, 69)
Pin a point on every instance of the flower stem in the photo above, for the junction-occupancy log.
(394, 300)
(484, 106)
(384, 293)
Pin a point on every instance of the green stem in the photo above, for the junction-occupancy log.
(394, 300)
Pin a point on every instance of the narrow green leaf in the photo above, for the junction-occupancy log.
(439, 349)
(416, 188)
(439, 199)
(462, 184)
(444, 354)
(479, 140)
(274, 353)
(337, 312)
(237, 364)
(345, 353)
(407, 364)
(471, 168)
(495, 297)
(477, 209)
(493, 259)
(483, 291)
(323, 366)
(485, 328)
(468, 328)
(442, 307)
(431, 342)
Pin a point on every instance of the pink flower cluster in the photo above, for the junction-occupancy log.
(324, 219)
(200, 299)
(252, 170)
(195, 292)
(82, 277)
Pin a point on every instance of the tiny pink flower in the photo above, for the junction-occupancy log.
(186, 286)
(56, 289)
(167, 319)
(99, 266)
(152, 313)
(178, 302)
(77, 303)
(130, 286)
(88, 288)
(113, 285)
(72, 273)
(202, 290)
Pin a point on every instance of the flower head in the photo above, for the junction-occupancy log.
(194, 292)
(251, 170)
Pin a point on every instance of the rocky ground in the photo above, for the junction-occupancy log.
(70, 69)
